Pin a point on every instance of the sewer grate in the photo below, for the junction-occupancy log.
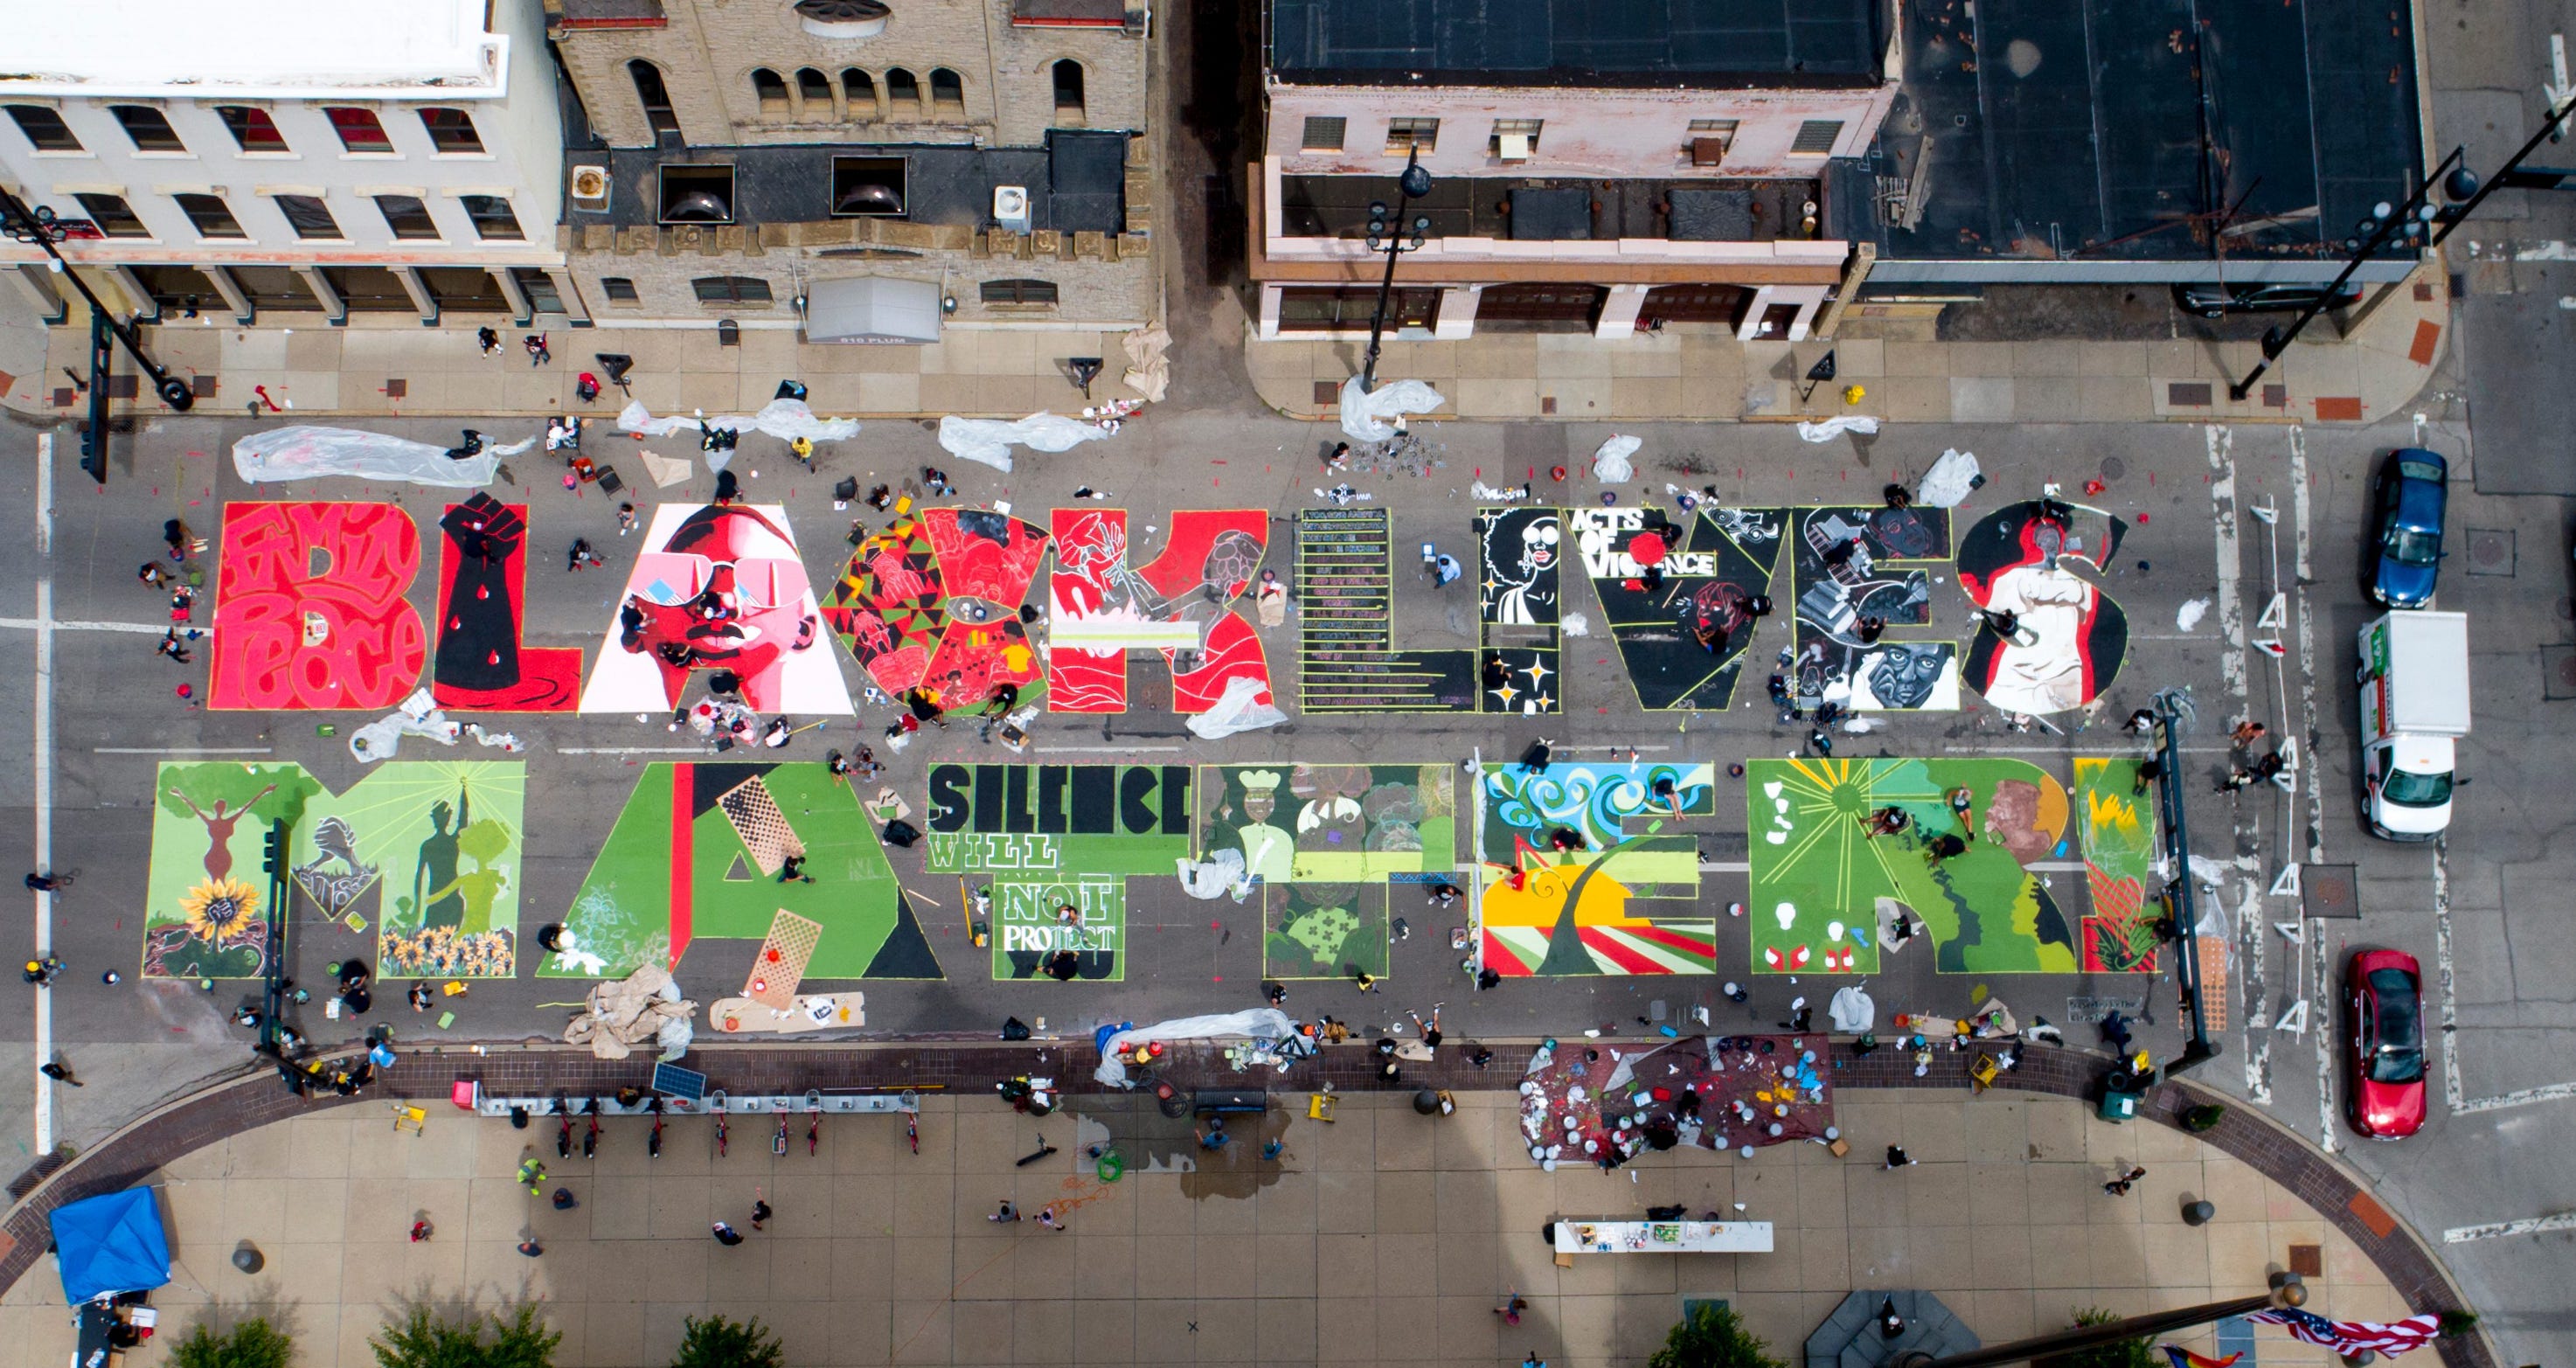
(2187, 394)
(2113, 467)
(2491, 551)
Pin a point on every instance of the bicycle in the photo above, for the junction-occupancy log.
(563, 1134)
(720, 1131)
(813, 1130)
(778, 1142)
(912, 1130)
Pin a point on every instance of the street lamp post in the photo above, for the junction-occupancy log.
(38, 226)
(1388, 232)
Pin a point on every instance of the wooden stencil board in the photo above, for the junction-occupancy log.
(780, 966)
(810, 1012)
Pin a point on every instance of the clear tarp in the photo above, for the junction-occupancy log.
(302, 452)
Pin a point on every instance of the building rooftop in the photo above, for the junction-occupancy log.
(289, 49)
(1075, 183)
(1688, 43)
(2046, 130)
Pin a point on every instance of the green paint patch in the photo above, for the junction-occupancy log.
(2119, 831)
(1036, 919)
(1324, 840)
(1324, 931)
(1822, 886)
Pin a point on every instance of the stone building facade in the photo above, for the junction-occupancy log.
(745, 151)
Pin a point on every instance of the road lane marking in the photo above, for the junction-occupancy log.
(2455, 1088)
(40, 625)
(2250, 931)
(183, 750)
(2528, 1225)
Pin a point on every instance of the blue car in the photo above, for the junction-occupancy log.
(2406, 534)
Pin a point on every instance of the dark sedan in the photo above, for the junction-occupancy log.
(2406, 528)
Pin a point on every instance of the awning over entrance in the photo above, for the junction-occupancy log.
(872, 309)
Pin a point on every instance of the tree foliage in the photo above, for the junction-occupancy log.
(716, 1342)
(423, 1339)
(2135, 1352)
(252, 1344)
(1713, 1336)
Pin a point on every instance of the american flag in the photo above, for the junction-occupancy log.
(2351, 1337)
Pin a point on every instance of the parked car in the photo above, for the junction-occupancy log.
(2406, 528)
(2383, 994)
(2216, 301)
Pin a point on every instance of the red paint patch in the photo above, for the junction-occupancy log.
(683, 857)
(372, 645)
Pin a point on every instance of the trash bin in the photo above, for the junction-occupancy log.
(2121, 1094)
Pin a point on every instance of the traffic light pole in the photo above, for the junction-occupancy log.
(102, 359)
(38, 227)
(273, 845)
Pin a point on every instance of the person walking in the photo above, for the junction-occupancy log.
(54, 1070)
(2247, 733)
(726, 1235)
(1047, 1218)
(2119, 1187)
(1430, 1030)
(489, 340)
(171, 646)
(1897, 1158)
(531, 1248)
(42, 882)
(532, 1175)
(539, 354)
(1513, 1305)
(759, 1210)
(1008, 1215)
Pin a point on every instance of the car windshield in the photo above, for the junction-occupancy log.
(2416, 790)
(2419, 470)
(2400, 1055)
(2406, 546)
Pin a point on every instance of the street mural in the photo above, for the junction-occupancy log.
(1055, 845)
(698, 854)
(1348, 661)
(1179, 604)
(1592, 869)
(1828, 895)
(1332, 846)
(310, 610)
(431, 848)
(2119, 816)
(2068, 637)
(717, 587)
(934, 603)
(1677, 596)
(482, 595)
(1854, 573)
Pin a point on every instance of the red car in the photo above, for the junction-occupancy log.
(2383, 993)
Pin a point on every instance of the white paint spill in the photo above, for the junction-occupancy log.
(2189, 615)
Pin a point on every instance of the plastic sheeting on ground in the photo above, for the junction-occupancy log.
(1950, 480)
(1365, 415)
(988, 441)
(301, 453)
(644, 1007)
(1220, 873)
(1149, 371)
(1832, 428)
(784, 419)
(1610, 465)
(1260, 1023)
(1238, 709)
(418, 716)
(1852, 1010)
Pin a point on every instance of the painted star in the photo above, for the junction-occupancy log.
(1506, 693)
(1544, 702)
(1538, 671)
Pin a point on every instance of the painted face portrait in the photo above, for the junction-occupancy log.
(729, 593)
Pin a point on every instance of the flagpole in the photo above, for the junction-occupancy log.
(2287, 1291)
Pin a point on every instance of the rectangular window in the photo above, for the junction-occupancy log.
(1710, 140)
(1019, 292)
(539, 289)
(1816, 138)
(212, 218)
(1324, 133)
(492, 219)
(251, 128)
(451, 131)
(697, 194)
(1408, 134)
(731, 289)
(310, 218)
(45, 128)
(408, 218)
(359, 129)
(1514, 139)
(620, 290)
(149, 128)
(114, 217)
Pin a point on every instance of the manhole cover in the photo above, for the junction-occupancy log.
(2558, 672)
(2329, 891)
(2491, 551)
(2113, 467)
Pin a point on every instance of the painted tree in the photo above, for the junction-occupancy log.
(222, 793)
(424, 1339)
(716, 1342)
(1713, 1336)
(252, 1344)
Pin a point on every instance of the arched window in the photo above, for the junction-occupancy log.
(654, 96)
(814, 89)
(1068, 93)
(772, 92)
(860, 90)
(947, 94)
(903, 94)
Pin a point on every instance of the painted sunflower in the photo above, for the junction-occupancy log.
(220, 909)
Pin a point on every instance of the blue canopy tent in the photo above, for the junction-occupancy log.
(111, 1243)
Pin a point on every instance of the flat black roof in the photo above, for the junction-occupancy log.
(1575, 42)
(2074, 129)
(1077, 182)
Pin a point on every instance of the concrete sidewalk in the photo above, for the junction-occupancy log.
(375, 369)
(1382, 1237)
(1702, 373)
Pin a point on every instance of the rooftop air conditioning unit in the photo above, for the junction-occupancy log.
(1011, 208)
(590, 188)
(1513, 147)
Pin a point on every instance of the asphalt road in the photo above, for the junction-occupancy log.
(2188, 493)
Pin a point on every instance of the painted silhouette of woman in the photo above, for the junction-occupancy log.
(219, 829)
